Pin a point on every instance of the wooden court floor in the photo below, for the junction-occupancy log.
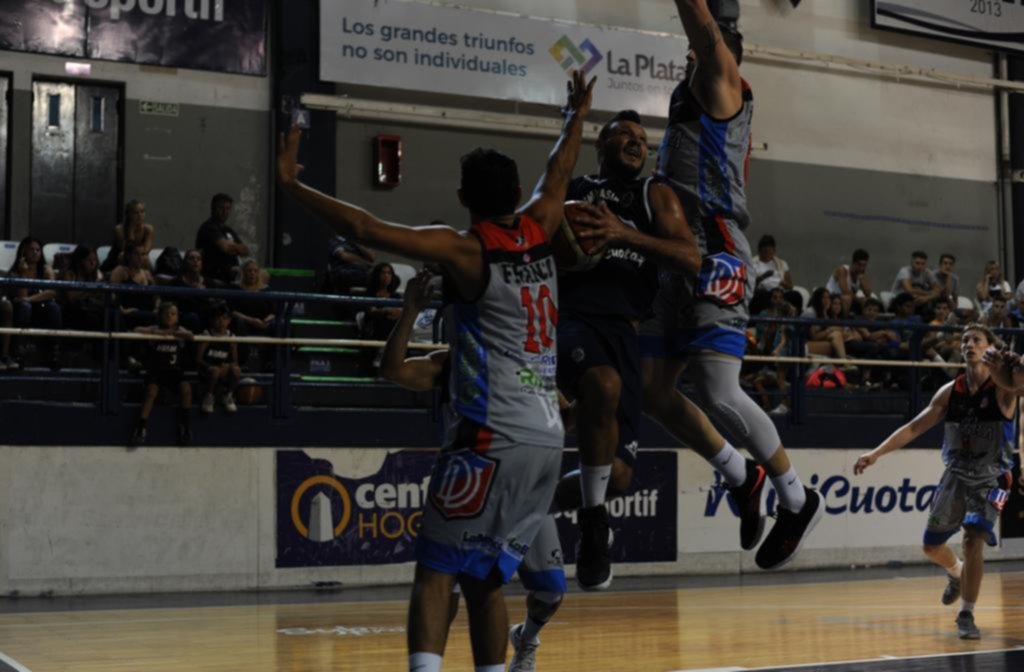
(792, 620)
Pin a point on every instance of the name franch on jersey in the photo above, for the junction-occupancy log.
(624, 253)
(538, 271)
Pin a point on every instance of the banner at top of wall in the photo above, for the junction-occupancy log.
(408, 45)
(217, 35)
(993, 24)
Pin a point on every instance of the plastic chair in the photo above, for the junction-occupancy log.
(404, 272)
(886, 298)
(8, 255)
(802, 291)
(51, 250)
(154, 254)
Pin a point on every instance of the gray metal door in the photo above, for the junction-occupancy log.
(5, 92)
(75, 148)
(96, 153)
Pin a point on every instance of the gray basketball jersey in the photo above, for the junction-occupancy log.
(503, 349)
(978, 440)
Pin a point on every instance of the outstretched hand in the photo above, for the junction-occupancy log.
(863, 462)
(288, 167)
(581, 94)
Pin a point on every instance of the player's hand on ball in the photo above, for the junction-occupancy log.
(602, 226)
(992, 356)
(863, 462)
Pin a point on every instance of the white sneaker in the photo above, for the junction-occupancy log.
(524, 656)
(781, 409)
(207, 405)
(229, 403)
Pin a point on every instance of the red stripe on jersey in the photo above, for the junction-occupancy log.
(526, 234)
(482, 444)
(730, 244)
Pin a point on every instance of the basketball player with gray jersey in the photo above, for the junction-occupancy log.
(496, 475)
(977, 448)
(700, 323)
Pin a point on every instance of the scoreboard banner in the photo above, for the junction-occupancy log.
(991, 24)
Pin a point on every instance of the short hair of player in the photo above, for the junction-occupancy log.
(989, 336)
(490, 183)
(624, 115)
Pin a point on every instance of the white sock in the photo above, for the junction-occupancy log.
(594, 484)
(489, 668)
(956, 569)
(790, 490)
(424, 662)
(731, 465)
(966, 606)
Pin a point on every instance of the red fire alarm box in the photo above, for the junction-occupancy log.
(387, 161)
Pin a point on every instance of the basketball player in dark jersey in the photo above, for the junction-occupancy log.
(218, 362)
(977, 408)
(639, 224)
(164, 370)
(700, 324)
(503, 393)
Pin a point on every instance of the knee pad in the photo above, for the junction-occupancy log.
(547, 597)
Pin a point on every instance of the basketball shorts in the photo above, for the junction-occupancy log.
(704, 314)
(968, 503)
(542, 567)
(586, 342)
(485, 505)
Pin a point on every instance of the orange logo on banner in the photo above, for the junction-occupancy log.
(346, 502)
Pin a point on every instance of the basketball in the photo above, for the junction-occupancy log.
(248, 392)
(572, 253)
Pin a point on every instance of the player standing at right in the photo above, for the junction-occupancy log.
(977, 449)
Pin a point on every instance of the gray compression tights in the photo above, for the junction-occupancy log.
(717, 380)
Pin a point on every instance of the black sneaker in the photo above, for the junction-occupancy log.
(789, 532)
(593, 556)
(965, 626)
(952, 592)
(184, 435)
(138, 437)
(749, 497)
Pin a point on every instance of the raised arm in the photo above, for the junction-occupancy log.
(442, 244)
(1005, 368)
(925, 420)
(548, 201)
(717, 81)
(412, 373)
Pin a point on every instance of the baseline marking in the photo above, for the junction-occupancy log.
(11, 665)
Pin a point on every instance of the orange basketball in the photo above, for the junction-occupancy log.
(249, 392)
(571, 252)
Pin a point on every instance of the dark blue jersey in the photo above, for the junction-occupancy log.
(624, 283)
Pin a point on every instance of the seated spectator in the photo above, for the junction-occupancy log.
(770, 272)
(136, 309)
(252, 316)
(949, 280)
(169, 265)
(383, 284)
(919, 282)
(991, 285)
(829, 340)
(164, 371)
(7, 363)
(135, 230)
(33, 307)
(942, 346)
(348, 265)
(774, 340)
(881, 342)
(83, 310)
(192, 309)
(997, 316)
(848, 279)
(218, 363)
(219, 244)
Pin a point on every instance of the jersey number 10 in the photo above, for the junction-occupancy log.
(541, 318)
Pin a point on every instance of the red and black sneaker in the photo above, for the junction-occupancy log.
(749, 497)
(789, 532)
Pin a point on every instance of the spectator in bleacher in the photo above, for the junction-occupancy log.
(770, 272)
(193, 310)
(997, 316)
(7, 363)
(774, 340)
(83, 310)
(165, 370)
(943, 346)
(383, 284)
(848, 279)
(949, 280)
(829, 340)
(882, 342)
(218, 362)
(33, 307)
(135, 230)
(991, 285)
(348, 265)
(219, 244)
(252, 316)
(919, 282)
(136, 309)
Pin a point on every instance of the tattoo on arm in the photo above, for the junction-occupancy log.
(712, 36)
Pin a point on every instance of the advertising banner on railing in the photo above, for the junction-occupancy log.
(363, 507)
(421, 47)
(218, 35)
